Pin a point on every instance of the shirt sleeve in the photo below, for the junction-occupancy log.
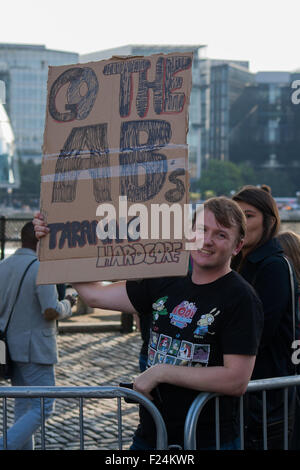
(48, 298)
(242, 326)
(139, 293)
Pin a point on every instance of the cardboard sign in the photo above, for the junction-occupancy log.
(115, 161)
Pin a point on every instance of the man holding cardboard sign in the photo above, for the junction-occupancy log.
(205, 330)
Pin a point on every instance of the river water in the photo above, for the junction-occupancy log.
(294, 226)
(11, 247)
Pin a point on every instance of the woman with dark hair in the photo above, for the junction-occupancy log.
(262, 264)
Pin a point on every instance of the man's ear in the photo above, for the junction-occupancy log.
(238, 247)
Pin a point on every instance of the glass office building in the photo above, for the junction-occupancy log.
(227, 83)
(24, 69)
(8, 171)
(194, 134)
(264, 131)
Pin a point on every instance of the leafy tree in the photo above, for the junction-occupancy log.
(248, 174)
(221, 178)
(280, 181)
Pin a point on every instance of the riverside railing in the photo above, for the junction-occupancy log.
(280, 383)
(82, 393)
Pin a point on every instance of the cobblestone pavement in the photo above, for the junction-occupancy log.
(92, 359)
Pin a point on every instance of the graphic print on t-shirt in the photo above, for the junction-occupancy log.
(174, 351)
(164, 348)
(175, 347)
(204, 322)
(164, 343)
(183, 314)
(201, 352)
(153, 339)
(159, 307)
(185, 351)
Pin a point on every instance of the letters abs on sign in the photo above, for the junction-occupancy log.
(133, 154)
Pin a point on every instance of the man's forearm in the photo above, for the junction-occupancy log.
(227, 380)
(88, 291)
(218, 379)
(111, 297)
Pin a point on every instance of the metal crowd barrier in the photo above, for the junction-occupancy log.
(192, 417)
(81, 393)
(264, 385)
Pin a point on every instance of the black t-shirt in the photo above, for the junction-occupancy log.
(194, 325)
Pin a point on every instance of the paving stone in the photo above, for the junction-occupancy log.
(91, 359)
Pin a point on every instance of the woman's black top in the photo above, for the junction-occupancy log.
(267, 270)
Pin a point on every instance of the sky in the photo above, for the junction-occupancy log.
(264, 32)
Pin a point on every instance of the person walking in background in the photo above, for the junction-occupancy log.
(262, 264)
(31, 335)
(205, 331)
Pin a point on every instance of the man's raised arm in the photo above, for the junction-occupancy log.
(110, 297)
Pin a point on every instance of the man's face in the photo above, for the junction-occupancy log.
(219, 244)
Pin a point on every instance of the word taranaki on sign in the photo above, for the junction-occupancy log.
(114, 128)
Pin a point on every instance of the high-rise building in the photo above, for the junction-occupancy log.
(227, 83)
(265, 123)
(264, 131)
(194, 134)
(24, 69)
(221, 82)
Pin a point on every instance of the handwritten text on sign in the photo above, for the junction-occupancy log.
(94, 137)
